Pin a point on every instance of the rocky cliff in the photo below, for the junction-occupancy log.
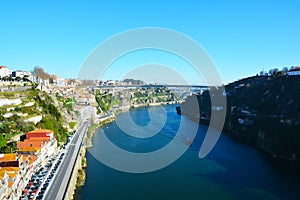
(262, 110)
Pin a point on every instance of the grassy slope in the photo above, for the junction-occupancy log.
(15, 125)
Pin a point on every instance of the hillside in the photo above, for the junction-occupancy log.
(27, 110)
(262, 110)
(134, 97)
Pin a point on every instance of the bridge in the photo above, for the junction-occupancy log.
(181, 90)
(154, 86)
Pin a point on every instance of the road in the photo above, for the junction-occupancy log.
(59, 182)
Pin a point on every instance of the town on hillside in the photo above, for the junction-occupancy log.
(262, 110)
(39, 114)
(38, 118)
(36, 152)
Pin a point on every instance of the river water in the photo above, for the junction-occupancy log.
(232, 170)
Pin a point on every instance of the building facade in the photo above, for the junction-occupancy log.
(294, 72)
(4, 72)
(16, 169)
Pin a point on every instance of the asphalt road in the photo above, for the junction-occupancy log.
(59, 182)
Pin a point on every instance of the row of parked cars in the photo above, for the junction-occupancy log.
(40, 180)
(69, 138)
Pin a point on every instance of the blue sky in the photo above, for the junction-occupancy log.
(241, 37)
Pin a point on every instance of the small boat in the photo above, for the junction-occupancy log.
(188, 141)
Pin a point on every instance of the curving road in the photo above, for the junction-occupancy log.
(59, 183)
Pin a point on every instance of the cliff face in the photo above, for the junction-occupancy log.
(262, 110)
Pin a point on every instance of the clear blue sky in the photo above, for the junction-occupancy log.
(242, 37)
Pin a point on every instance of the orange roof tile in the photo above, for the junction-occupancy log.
(41, 131)
(12, 175)
(2, 174)
(29, 149)
(30, 143)
(8, 157)
(295, 69)
(25, 157)
(32, 159)
(10, 183)
(39, 138)
(11, 171)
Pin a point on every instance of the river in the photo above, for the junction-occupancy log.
(232, 170)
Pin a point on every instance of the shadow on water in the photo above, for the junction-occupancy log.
(231, 171)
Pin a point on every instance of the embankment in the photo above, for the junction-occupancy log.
(78, 177)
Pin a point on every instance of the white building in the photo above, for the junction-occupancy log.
(294, 71)
(110, 82)
(21, 74)
(4, 72)
(3, 184)
(61, 82)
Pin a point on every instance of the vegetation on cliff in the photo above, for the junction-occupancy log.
(34, 109)
(144, 95)
(264, 110)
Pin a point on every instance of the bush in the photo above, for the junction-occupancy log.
(72, 125)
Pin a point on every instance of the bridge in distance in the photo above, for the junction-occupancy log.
(153, 86)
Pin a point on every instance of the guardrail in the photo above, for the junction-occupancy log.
(75, 161)
(69, 167)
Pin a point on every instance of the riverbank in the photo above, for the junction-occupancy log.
(231, 171)
(92, 130)
(88, 144)
(154, 104)
(110, 119)
(257, 113)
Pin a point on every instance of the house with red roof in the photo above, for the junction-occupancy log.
(40, 143)
(15, 171)
(294, 71)
(4, 72)
(40, 133)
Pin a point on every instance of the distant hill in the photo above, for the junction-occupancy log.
(263, 110)
(133, 81)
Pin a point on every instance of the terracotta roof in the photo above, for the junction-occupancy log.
(12, 175)
(8, 157)
(41, 131)
(295, 69)
(39, 138)
(25, 157)
(32, 159)
(10, 183)
(11, 171)
(2, 174)
(30, 143)
(2, 67)
(27, 149)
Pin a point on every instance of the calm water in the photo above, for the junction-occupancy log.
(231, 171)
